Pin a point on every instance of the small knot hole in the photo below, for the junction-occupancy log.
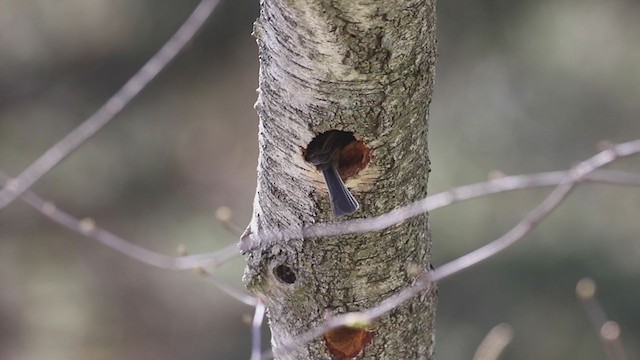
(285, 274)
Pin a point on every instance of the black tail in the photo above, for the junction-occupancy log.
(342, 202)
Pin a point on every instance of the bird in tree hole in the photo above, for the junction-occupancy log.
(324, 152)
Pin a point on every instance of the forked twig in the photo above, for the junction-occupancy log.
(565, 181)
(528, 223)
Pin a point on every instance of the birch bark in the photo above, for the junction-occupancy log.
(366, 67)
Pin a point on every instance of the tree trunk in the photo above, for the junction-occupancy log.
(364, 67)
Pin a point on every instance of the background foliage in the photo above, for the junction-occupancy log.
(521, 87)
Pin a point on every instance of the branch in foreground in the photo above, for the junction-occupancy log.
(256, 332)
(88, 228)
(578, 174)
(363, 318)
(111, 108)
(433, 202)
(219, 257)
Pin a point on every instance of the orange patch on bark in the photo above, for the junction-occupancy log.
(345, 343)
(354, 157)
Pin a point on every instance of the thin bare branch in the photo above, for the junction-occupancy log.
(224, 215)
(614, 177)
(527, 224)
(428, 204)
(533, 218)
(579, 174)
(228, 289)
(256, 332)
(494, 343)
(608, 331)
(433, 202)
(88, 228)
(221, 284)
(111, 108)
(586, 292)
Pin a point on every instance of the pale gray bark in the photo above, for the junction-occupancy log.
(365, 66)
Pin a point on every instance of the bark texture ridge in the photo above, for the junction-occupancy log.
(365, 67)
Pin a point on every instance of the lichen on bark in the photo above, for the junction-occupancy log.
(365, 67)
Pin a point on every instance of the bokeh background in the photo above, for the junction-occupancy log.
(522, 86)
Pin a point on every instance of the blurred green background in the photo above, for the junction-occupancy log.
(521, 86)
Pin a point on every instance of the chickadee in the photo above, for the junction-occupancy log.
(324, 152)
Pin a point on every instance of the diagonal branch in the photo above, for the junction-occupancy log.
(494, 343)
(111, 108)
(531, 221)
(228, 288)
(225, 287)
